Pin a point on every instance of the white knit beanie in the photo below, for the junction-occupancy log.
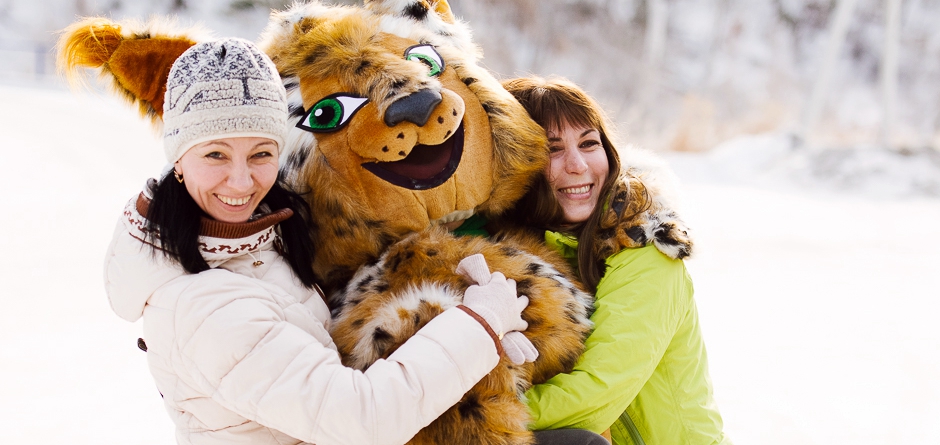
(223, 88)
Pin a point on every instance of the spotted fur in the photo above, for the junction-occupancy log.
(643, 209)
(387, 302)
(389, 274)
(638, 216)
(315, 45)
(389, 271)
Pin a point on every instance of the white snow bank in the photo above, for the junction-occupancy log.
(70, 371)
(776, 161)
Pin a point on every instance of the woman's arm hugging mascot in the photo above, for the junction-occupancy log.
(397, 136)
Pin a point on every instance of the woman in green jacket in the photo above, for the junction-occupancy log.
(644, 373)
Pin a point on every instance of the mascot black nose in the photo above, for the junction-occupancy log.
(415, 108)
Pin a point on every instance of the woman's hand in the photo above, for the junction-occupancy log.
(493, 298)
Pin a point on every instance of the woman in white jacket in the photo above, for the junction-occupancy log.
(216, 259)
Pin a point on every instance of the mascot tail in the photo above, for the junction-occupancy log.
(134, 59)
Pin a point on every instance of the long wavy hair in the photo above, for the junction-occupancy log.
(175, 218)
(555, 103)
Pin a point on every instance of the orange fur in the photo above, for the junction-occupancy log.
(359, 222)
(442, 9)
(134, 59)
(380, 253)
(379, 314)
(88, 43)
(344, 50)
(638, 216)
(142, 67)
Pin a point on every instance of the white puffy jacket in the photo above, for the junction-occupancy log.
(241, 352)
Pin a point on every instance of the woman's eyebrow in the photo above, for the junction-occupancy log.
(222, 143)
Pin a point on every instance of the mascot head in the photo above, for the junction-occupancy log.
(395, 126)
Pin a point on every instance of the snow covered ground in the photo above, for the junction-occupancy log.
(818, 297)
(819, 305)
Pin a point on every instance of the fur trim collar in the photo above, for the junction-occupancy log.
(218, 241)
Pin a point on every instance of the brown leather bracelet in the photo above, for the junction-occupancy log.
(489, 329)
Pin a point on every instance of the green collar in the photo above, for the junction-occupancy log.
(472, 226)
(566, 245)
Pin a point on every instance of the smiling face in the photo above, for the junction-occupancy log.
(394, 127)
(417, 152)
(577, 169)
(229, 177)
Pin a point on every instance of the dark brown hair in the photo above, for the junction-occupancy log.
(175, 218)
(555, 103)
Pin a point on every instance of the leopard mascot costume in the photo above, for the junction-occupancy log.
(398, 135)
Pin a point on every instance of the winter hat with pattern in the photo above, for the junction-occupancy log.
(222, 88)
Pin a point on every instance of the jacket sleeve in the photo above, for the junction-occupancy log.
(250, 360)
(133, 271)
(639, 305)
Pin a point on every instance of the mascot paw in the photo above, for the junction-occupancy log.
(672, 239)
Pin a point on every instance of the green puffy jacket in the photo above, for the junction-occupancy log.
(644, 373)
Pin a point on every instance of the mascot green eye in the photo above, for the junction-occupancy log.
(428, 56)
(331, 112)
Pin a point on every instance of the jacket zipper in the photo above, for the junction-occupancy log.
(631, 428)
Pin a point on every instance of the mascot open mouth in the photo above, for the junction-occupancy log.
(426, 167)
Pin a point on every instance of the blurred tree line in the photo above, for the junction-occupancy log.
(687, 74)
(673, 74)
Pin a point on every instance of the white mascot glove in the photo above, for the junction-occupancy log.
(518, 348)
(494, 299)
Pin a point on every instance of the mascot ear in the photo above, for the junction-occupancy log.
(442, 8)
(416, 9)
(137, 63)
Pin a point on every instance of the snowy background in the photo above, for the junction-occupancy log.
(675, 74)
(817, 263)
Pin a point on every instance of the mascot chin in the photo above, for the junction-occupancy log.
(404, 147)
